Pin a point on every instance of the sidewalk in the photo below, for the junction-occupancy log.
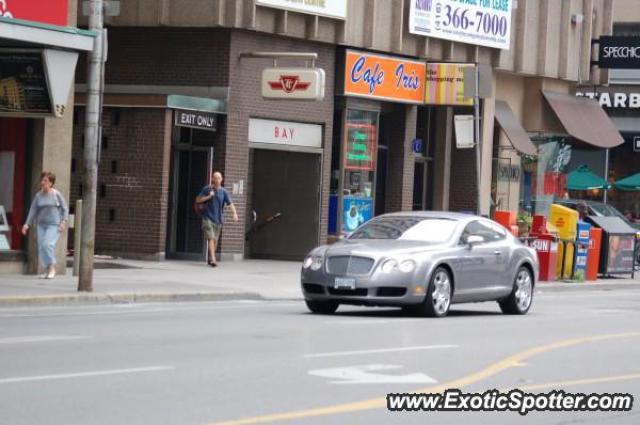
(127, 281)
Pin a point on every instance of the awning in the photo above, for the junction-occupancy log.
(46, 35)
(584, 179)
(631, 183)
(584, 119)
(512, 128)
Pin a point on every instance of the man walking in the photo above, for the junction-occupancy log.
(216, 197)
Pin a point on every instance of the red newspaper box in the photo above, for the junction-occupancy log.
(546, 246)
(593, 256)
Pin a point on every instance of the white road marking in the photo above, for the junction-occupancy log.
(84, 374)
(40, 338)
(140, 309)
(361, 374)
(379, 350)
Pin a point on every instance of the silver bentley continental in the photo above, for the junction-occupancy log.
(423, 262)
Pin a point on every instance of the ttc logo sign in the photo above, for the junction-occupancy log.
(289, 83)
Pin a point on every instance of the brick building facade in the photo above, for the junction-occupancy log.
(171, 53)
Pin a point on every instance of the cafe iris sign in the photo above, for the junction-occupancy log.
(384, 77)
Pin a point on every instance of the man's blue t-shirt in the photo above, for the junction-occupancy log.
(215, 206)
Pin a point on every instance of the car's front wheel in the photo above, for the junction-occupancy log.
(322, 307)
(439, 291)
(521, 297)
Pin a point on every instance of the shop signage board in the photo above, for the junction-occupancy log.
(23, 83)
(329, 8)
(384, 77)
(195, 119)
(614, 100)
(445, 84)
(479, 22)
(509, 172)
(619, 52)
(45, 11)
(293, 83)
(285, 133)
(359, 147)
(463, 125)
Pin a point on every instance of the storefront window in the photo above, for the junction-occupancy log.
(359, 166)
(545, 178)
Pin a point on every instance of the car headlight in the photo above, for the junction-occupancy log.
(388, 266)
(314, 262)
(407, 266)
(307, 262)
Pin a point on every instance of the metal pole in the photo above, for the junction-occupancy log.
(77, 243)
(606, 174)
(476, 105)
(92, 121)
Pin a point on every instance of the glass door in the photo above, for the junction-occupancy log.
(191, 172)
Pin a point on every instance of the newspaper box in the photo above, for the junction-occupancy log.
(593, 258)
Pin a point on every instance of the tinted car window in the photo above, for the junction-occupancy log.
(487, 230)
(425, 229)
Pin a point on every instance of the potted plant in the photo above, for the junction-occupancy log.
(529, 163)
(524, 220)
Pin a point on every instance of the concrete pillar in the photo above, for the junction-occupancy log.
(486, 148)
(442, 158)
(401, 161)
(51, 143)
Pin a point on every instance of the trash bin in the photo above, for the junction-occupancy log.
(507, 219)
(581, 251)
(593, 258)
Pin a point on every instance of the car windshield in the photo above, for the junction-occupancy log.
(607, 211)
(424, 229)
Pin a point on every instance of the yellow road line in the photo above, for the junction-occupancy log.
(577, 382)
(380, 403)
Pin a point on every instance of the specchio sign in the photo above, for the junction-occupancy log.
(619, 52)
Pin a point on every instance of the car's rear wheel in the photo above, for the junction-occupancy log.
(322, 307)
(438, 299)
(521, 297)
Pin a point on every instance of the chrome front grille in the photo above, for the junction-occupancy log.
(349, 265)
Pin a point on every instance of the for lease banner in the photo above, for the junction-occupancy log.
(479, 22)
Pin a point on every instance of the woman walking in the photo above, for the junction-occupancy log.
(50, 212)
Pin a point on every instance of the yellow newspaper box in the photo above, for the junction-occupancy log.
(565, 222)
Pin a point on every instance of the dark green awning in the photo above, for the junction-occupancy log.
(584, 179)
(630, 183)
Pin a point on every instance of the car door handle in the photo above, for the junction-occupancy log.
(497, 252)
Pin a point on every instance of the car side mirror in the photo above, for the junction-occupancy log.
(474, 240)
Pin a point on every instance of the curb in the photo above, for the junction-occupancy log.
(123, 298)
(543, 287)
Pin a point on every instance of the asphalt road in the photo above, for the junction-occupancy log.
(273, 362)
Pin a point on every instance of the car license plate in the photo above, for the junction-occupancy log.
(344, 283)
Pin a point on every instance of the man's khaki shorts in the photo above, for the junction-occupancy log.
(210, 229)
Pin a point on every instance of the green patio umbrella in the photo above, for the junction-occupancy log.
(584, 179)
(630, 183)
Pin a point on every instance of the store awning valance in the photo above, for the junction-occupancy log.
(512, 128)
(584, 119)
(584, 179)
(630, 183)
